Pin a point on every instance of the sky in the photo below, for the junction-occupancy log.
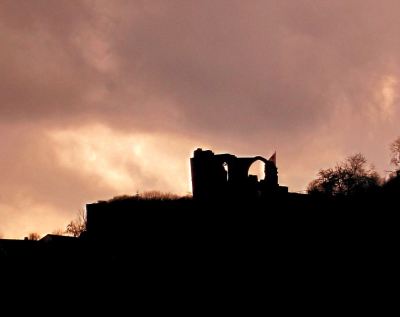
(104, 98)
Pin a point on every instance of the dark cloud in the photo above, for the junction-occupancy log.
(316, 80)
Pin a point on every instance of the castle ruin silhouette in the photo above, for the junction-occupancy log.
(225, 176)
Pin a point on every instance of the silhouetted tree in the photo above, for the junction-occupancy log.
(77, 226)
(349, 177)
(395, 153)
(157, 195)
(149, 195)
(392, 183)
(33, 236)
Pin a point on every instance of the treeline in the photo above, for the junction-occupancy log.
(354, 176)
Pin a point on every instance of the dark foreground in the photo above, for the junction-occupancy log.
(285, 233)
(289, 254)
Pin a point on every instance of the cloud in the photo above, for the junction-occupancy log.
(127, 163)
(101, 97)
(48, 175)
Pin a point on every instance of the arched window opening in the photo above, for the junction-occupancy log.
(226, 168)
(257, 169)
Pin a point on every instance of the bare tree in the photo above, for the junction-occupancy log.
(157, 195)
(395, 153)
(149, 195)
(33, 236)
(77, 226)
(348, 177)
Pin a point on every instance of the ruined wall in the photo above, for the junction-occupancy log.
(224, 176)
